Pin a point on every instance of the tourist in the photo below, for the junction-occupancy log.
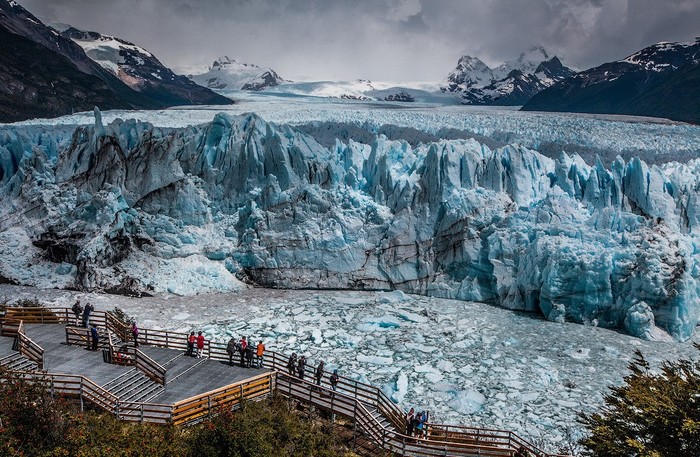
(334, 380)
(292, 364)
(410, 421)
(522, 452)
(190, 344)
(94, 336)
(231, 348)
(319, 373)
(77, 309)
(423, 422)
(301, 367)
(200, 344)
(260, 353)
(135, 333)
(86, 314)
(242, 345)
(249, 355)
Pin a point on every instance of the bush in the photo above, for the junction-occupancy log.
(261, 429)
(32, 421)
(651, 414)
(35, 423)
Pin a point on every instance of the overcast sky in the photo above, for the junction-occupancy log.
(394, 40)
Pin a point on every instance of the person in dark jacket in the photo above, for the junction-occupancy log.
(94, 335)
(77, 310)
(410, 421)
(319, 373)
(334, 380)
(231, 348)
(86, 314)
(249, 354)
(301, 367)
(135, 333)
(292, 364)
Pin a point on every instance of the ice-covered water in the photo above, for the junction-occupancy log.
(468, 363)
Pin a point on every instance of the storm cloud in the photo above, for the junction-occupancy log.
(396, 40)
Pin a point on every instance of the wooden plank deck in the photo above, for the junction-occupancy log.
(187, 376)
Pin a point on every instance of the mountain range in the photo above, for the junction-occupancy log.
(661, 80)
(44, 73)
(510, 83)
(226, 73)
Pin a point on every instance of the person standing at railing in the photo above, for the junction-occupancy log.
(292, 364)
(95, 336)
(200, 344)
(319, 373)
(334, 380)
(77, 309)
(260, 353)
(410, 421)
(231, 348)
(249, 355)
(86, 314)
(301, 367)
(135, 333)
(242, 346)
(190, 344)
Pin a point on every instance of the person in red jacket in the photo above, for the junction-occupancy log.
(190, 344)
(200, 344)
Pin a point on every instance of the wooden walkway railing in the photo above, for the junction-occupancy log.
(29, 348)
(354, 400)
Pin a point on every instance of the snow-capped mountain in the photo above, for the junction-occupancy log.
(661, 80)
(226, 73)
(198, 208)
(46, 74)
(141, 70)
(511, 83)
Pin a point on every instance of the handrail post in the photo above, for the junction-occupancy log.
(81, 395)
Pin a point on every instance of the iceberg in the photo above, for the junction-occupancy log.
(131, 208)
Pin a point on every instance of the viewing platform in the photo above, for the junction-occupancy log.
(156, 382)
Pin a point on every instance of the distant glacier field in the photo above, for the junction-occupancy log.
(585, 134)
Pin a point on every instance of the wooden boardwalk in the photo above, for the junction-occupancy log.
(156, 382)
(188, 376)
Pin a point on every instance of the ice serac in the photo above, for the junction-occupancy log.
(131, 208)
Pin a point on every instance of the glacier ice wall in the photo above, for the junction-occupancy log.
(132, 208)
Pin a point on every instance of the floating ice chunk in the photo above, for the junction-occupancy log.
(412, 317)
(528, 397)
(180, 316)
(385, 321)
(316, 336)
(400, 388)
(374, 360)
(434, 377)
(578, 353)
(395, 296)
(468, 401)
(445, 365)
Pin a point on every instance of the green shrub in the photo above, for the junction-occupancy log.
(262, 429)
(650, 415)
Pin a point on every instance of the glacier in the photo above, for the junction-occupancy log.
(133, 208)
